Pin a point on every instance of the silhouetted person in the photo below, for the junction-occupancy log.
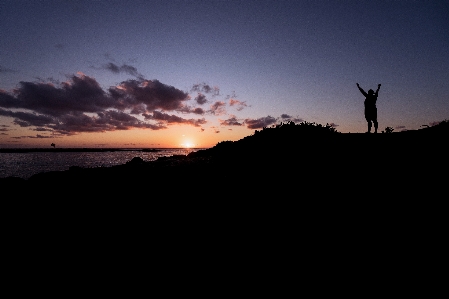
(370, 107)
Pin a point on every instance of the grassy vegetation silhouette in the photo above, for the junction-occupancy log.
(304, 137)
(281, 135)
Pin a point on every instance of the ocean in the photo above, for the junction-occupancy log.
(26, 164)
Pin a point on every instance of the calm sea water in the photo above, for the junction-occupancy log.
(24, 165)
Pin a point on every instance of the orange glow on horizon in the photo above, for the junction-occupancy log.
(176, 136)
(187, 145)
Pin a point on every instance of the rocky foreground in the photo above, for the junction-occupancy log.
(282, 196)
(287, 191)
(289, 161)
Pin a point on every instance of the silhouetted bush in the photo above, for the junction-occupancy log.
(388, 130)
(290, 130)
(287, 136)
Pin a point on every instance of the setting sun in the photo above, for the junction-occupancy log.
(187, 145)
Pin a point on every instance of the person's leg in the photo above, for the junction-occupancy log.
(369, 126)
(374, 118)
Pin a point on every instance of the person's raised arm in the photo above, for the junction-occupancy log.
(361, 90)
(378, 87)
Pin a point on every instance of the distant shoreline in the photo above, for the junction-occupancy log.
(405, 134)
(30, 150)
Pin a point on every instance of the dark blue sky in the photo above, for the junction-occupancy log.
(215, 70)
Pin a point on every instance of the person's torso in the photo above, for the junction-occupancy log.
(370, 101)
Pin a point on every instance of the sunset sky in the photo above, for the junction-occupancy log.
(164, 74)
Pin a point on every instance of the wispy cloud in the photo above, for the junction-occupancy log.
(232, 121)
(124, 68)
(205, 88)
(6, 70)
(218, 108)
(238, 104)
(286, 118)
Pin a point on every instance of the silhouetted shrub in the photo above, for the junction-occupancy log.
(388, 130)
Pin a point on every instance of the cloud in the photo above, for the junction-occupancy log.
(81, 105)
(198, 111)
(41, 129)
(6, 70)
(205, 88)
(218, 108)
(173, 119)
(200, 99)
(80, 94)
(4, 128)
(286, 117)
(188, 109)
(25, 119)
(231, 96)
(124, 68)
(151, 93)
(232, 121)
(260, 123)
(38, 136)
(109, 120)
(240, 105)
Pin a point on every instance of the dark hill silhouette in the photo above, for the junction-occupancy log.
(287, 158)
(305, 184)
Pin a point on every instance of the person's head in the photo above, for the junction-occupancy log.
(370, 92)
